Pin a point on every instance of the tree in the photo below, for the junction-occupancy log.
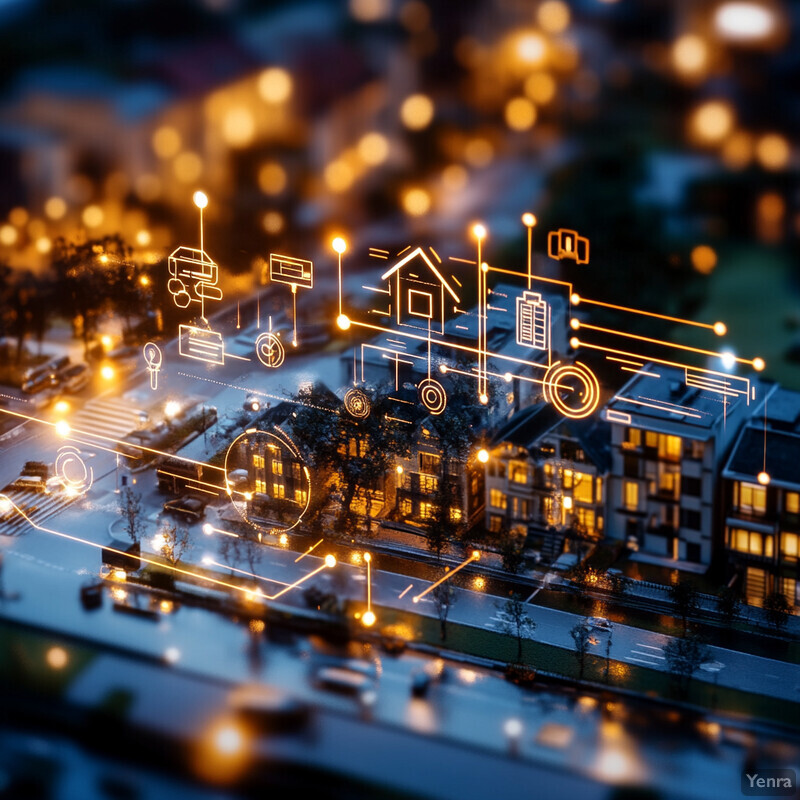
(359, 450)
(516, 621)
(728, 604)
(129, 507)
(444, 598)
(512, 551)
(686, 601)
(609, 640)
(580, 636)
(777, 609)
(684, 655)
(174, 542)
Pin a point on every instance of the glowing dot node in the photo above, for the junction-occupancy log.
(575, 324)
(339, 245)
(528, 219)
(479, 231)
(720, 328)
(759, 364)
(200, 199)
(484, 398)
(63, 428)
(575, 299)
(763, 478)
(368, 620)
(343, 321)
(330, 561)
(483, 455)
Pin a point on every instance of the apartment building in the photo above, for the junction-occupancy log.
(761, 500)
(546, 478)
(668, 442)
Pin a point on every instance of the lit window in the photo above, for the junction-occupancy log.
(261, 486)
(425, 510)
(634, 437)
(518, 472)
(277, 467)
(670, 447)
(630, 495)
(582, 487)
(301, 496)
(428, 484)
(278, 490)
(792, 503)
(406, 508)
(455, 514)
(790, 543)
(651, 439)
(752, 498)
(498, 499)
(258, 461)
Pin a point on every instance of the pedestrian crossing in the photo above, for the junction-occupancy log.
(38, 507)
(111, 418)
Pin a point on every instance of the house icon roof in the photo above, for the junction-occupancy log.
(418, 251)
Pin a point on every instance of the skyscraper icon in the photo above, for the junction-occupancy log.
(533, 321)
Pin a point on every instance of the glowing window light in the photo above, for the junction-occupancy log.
(744, 21)
(416, 112)
(55, 208)
(416, 202)
(275, 85)
(373, 148)
(553, 16)
(520, 114)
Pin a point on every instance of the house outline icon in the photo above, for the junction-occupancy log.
(419, 301)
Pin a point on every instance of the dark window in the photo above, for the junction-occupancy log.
(691, 520)
(631, 467)
(691, 486)
(693, 552)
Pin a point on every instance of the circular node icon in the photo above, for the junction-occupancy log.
(71, 470)
(432, 395)
(572, 389)
(267, 480)
(357, 403)
(269, 350)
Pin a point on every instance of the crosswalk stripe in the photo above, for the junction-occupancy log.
(113, 418)
(38, 508)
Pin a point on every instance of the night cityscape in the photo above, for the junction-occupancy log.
(399, 399)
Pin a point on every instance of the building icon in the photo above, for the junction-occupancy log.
(533, 327)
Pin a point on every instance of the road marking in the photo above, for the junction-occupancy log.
(647, 663)
(647, 655)
(533, 594)
(400, 597)
(649, 646)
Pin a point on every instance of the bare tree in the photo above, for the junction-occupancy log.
(608, 653)
(129, 507)
(444, 598)
(516, 621)
(174, 542)
(686, 601)
(684, 656)
(580, 636)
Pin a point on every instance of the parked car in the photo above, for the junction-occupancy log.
(186, 506)
(74, 377)
(268, 710)
(30, 483)
(598, 623)
(342, 680)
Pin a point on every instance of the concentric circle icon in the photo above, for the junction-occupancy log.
(572, 389)
(269, 350)
(71, 470)
(432, 395)
(357, 403)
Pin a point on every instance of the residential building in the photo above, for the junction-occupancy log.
(762, 511)
(668, 442)
(546, 478)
